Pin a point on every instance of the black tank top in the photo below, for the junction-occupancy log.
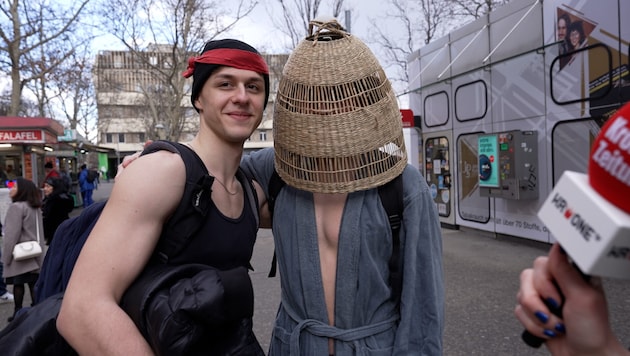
(222, 242)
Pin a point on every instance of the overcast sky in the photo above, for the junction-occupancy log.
(258, 29)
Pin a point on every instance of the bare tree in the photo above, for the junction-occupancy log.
(296, 15)
(27, 29)
(27, 107)
(419, 22)
(75, 101)
(473, 9)
(158, 37)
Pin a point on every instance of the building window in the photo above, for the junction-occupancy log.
(121, 137)
(263, 135)
(118, 61)
(141, 137)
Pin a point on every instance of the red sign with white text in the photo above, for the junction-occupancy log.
(407, 118)
(21, 136)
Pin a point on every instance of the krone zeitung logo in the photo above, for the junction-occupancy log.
(609, 165)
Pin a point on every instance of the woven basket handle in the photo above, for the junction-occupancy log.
(327, 29)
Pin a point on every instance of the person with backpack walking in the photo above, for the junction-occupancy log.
(22, 223)
(348, 287)
(86, 183)
(230, 91)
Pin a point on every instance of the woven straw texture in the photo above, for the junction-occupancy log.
(337, 126)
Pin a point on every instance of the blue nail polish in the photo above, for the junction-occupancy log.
(560, 328)
(541, 316)
(552, 303)
(549, 333)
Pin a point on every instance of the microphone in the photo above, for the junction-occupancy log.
(589, 215)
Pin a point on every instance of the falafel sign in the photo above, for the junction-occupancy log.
(21, 136)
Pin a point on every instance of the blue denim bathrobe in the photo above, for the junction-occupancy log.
(367, 320)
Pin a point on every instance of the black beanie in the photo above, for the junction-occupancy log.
(202, 71)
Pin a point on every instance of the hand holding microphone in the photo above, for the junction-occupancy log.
(585, 327)
(590, 218)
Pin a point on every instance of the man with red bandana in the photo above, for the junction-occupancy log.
(230, 91)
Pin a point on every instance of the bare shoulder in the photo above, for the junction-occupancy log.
(150, 188)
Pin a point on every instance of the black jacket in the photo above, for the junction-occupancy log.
(55, 210)
(217, 320)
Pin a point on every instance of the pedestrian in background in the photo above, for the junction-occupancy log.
(3, 177)
(5, 295)
(87, 187)
(57, 206)
(22, 223)
(51, 172)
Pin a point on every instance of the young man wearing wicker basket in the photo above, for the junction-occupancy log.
(338, 138)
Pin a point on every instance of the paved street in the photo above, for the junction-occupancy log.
(481, 276)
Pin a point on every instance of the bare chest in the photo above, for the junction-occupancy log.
(328, 213)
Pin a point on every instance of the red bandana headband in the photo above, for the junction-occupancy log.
(230, 57)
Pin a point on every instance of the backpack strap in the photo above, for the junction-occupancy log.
(250, 191)
(189, 216)
(391, 194)
(275, 186)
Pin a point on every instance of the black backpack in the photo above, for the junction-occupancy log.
(391, 194)
(67, 182)
(91, 176)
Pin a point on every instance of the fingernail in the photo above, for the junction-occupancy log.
(552, 303)
(541, 316)
(549, 333)
(560, 328)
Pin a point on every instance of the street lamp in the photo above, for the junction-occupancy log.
(159, 130)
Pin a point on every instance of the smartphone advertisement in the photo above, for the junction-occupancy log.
(488, 165)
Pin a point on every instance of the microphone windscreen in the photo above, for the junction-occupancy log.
(609, 165)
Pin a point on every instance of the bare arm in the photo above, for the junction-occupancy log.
(265, 214)
(115, 253)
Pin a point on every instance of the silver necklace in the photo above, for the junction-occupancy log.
(189, 144)
(224, 187)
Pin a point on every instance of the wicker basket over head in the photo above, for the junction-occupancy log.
(337, 126)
